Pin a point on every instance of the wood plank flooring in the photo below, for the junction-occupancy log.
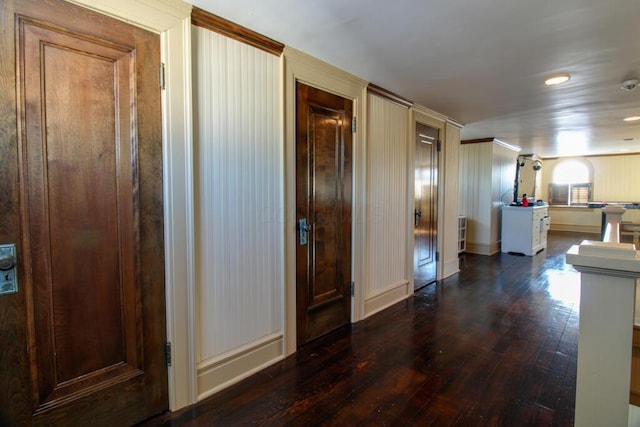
(494, 345)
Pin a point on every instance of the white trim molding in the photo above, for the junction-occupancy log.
(220, 372)
(431, 118)
(449, 262)
(455, 123)
(487, 249)
(388, 297)
(313, 72)
(427, 112)
(153, 15)
(179, 213)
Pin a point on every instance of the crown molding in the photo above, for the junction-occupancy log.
(219, 25)
(155, 16)
(384, 93)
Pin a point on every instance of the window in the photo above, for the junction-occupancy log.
(578, 194)
(571, 184)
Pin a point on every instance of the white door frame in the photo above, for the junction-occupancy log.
(299, 66)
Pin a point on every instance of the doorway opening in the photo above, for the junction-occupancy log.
(425, 255)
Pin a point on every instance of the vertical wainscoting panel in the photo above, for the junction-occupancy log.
(239, 203)
(475, 190)
(487, 172)
(504, 174)
(614, 177)
(450, 261)
(386, 276)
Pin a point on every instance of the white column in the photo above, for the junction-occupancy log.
(607, 298)
(614, 219)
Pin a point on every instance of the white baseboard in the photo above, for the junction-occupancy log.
(576, 228)
(634, 416)
(483, 248)
(381, 300)
(450, 268)
(220, 372)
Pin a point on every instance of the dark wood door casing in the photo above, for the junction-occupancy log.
(323, 197)
(81, 154)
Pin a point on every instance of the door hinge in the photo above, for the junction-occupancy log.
(437, 256)
(352, 288)
(162, 86)
(167, 352)
(439, 146)
(353, 125)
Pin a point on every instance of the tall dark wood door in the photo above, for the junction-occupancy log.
(81, 198)
(426, 205)
(323, 209)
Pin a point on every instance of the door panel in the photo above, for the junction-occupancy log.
(426, 205)
(323, 191)
(84, 265)
(91, 243)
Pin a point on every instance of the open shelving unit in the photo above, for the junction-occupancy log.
(462, 233)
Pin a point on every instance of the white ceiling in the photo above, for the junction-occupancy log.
(480, 62)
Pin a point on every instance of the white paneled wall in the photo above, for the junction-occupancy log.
(615, 178)
(504, 174)
(487, 172)
(239, 177)
(387, 202)
(449, 188)
(476, 162)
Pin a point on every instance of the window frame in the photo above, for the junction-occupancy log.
(567, 194)
(571, 193)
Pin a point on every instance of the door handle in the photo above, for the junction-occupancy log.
(304, 228)
(7, 262)
(8, 273)
(417, 215)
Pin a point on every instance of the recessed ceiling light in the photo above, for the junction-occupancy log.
(631, 118)
(556, 79)
(629, 84)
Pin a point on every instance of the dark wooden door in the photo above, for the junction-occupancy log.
(323, 202)
(81, 197)
(426, 205)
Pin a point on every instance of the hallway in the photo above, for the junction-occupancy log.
(494, 345)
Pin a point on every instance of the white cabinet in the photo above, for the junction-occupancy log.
(524, 229)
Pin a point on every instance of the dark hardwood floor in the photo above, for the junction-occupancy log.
(494, 345)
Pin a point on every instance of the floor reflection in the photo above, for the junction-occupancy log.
(564, 286)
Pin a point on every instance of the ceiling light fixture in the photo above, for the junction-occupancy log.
(629, 84)
(631, 118)
(556, 79)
